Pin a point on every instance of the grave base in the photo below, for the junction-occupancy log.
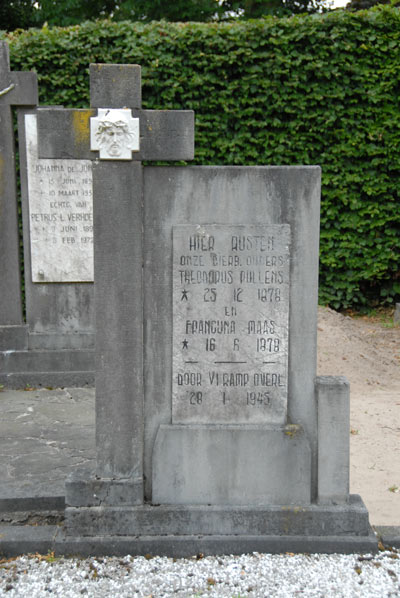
(217, 529)
(67, 367)
(13, 337)
(187, 546)
(16, 540)
(227, 470)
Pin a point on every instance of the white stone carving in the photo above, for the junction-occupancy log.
(114, 133)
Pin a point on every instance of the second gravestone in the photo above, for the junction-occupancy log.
(213, 434)
(57, 215)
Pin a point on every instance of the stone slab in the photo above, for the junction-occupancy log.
(230, 323)
(154, 520)
(13, 338)
(10, 283)
(59, 315)
(389, 535)
(232, 196)
(44, 435)
(57, 341)
(16, 89)
(115, 86)
(15, 362)
(232, 465)
(333, 404)
(53, 379)
(10, 502)
(24, 91)
(16, 541)
(60, 215)
(66, 134)
(187, 546)
(83, 488)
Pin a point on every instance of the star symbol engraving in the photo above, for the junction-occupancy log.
(185, 344)
(184, 295)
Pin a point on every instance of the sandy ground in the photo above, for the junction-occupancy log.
(367, 352)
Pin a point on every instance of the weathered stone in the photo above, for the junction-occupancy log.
(58, 316)
(118, 256)
(230, 324)
(230, 196)
(46, 368)
(333, 404)
(231, 465)
(158, 520)
(115, 85)
(66, 134)
(60, 215)
(13, 338)
(235, 466)
(16, 89)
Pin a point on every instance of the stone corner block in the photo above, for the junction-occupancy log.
(333, 405)
(84, 489)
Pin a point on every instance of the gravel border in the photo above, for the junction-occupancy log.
(245, 576)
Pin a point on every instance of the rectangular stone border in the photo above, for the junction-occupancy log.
(18, 540)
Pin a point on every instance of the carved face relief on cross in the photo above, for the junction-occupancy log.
(115, 134)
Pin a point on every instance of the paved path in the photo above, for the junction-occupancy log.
(44, 435)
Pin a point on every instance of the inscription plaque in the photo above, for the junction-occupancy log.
(60, 214)
(230, 323)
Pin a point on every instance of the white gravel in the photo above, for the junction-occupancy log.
(246, 576)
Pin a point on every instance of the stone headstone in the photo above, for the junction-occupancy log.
(60, 215)
(213, 434)
(54, 346)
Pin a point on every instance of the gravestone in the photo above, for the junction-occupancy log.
(213, 433)
(16, 89)
(57, 214)
(55, 344)
(60, 215)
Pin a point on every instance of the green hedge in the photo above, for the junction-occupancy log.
(321, 89)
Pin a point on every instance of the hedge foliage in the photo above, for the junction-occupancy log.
(321, 89)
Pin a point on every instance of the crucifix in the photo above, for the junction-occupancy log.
(16, 89)
(117, 137)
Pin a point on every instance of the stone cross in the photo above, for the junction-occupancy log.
(125, 134)
(16, 89)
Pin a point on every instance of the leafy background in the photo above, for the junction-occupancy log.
(318, 89)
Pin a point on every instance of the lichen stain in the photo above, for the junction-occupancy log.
(80, 124)
(292, 430)
(293, 509)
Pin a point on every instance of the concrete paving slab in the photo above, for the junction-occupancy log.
(44, 436)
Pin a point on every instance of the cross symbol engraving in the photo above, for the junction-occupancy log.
(115, 90)
(16, 89)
